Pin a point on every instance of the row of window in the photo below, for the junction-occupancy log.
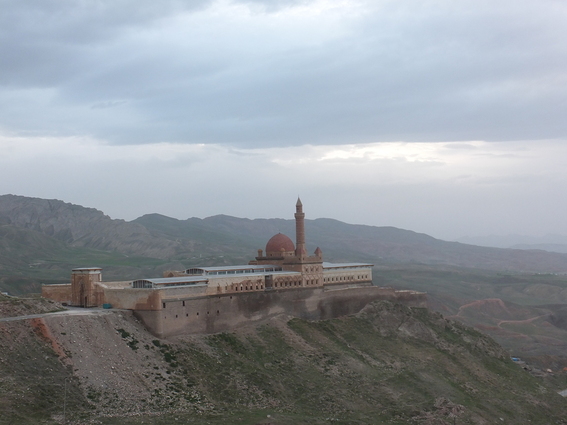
(247, 288)
(282, 284)
(345, 278)
(187, 314)
(343, 268)
(279, 284)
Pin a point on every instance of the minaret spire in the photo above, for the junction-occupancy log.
(300, 250)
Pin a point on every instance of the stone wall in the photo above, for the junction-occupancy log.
(132, 298)
(223, 312)
(57, 292)
(343, 275)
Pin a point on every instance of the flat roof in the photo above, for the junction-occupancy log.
(224, 276)
(165, 280)
(344, 265)
(116, 284)
(241, 267)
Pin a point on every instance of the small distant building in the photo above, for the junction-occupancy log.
(209, 299)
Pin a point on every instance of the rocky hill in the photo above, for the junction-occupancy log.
(81, 227)
(42, 240)
(347, 242)
(389, 364)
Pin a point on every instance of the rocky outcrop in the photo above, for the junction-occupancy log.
(83, 227)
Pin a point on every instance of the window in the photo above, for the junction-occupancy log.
(144, 284)
(163, 305)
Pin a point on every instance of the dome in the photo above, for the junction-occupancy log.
(278, 243)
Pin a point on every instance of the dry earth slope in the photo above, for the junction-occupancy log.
(388, 364)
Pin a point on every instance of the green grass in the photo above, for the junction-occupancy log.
(455, 285)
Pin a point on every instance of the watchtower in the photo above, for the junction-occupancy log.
(83, 286)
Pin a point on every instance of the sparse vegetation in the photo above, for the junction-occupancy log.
(389, 364)
(130, 340)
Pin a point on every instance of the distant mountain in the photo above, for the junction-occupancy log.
(347, 242)
(42, 239)
(78, 226)
(550, 247)
(550, 242)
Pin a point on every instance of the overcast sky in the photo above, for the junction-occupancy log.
(443, 117)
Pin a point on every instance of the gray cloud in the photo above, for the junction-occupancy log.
(415, 71)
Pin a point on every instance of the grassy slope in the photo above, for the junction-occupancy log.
(389, 364)
(530, 321)
(29, 258)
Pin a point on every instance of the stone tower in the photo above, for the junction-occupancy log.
(280, 251)
(300, 250)
(84, 282)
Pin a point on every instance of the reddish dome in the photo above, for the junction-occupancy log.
(278, 243)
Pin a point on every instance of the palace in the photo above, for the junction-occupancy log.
(210, 299)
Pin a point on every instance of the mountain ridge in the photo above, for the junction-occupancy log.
(237, 239)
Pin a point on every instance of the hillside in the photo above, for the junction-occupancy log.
(82, 227)
(388, 364)
(42, 240)
(45, 230)
(347, 242)
(525, 313)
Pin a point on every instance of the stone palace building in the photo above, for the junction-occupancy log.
(284, 279)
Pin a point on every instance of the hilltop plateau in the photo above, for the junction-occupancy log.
(387, 364)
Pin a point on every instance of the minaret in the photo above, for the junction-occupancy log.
(300, 250)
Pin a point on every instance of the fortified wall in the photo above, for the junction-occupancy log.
(210, 314)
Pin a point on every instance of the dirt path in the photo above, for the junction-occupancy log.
(524, 321)
(70, 312)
